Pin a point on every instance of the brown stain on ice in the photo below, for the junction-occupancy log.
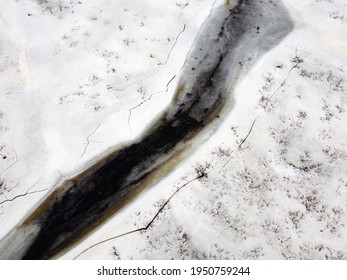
(229, 3)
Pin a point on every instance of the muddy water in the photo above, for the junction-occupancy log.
(227, 47)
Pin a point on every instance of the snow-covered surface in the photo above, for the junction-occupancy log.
(81, 79)
(74, 82)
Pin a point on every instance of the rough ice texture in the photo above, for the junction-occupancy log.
(275, 187)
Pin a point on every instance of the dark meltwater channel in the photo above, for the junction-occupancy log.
(228, 45)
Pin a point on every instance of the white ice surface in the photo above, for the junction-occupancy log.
(62, 105)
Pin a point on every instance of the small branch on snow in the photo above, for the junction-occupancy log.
(296, 60)
(240, 145)
(249, 132)
(160, 210)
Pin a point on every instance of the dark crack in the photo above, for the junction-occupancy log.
(88, 143)
(28, 192)
(16, 161)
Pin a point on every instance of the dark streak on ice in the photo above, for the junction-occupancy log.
(211, 67)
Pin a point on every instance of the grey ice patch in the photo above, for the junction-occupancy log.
(228, 46)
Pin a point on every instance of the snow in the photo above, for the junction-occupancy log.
(280, 195)
(57, 70)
